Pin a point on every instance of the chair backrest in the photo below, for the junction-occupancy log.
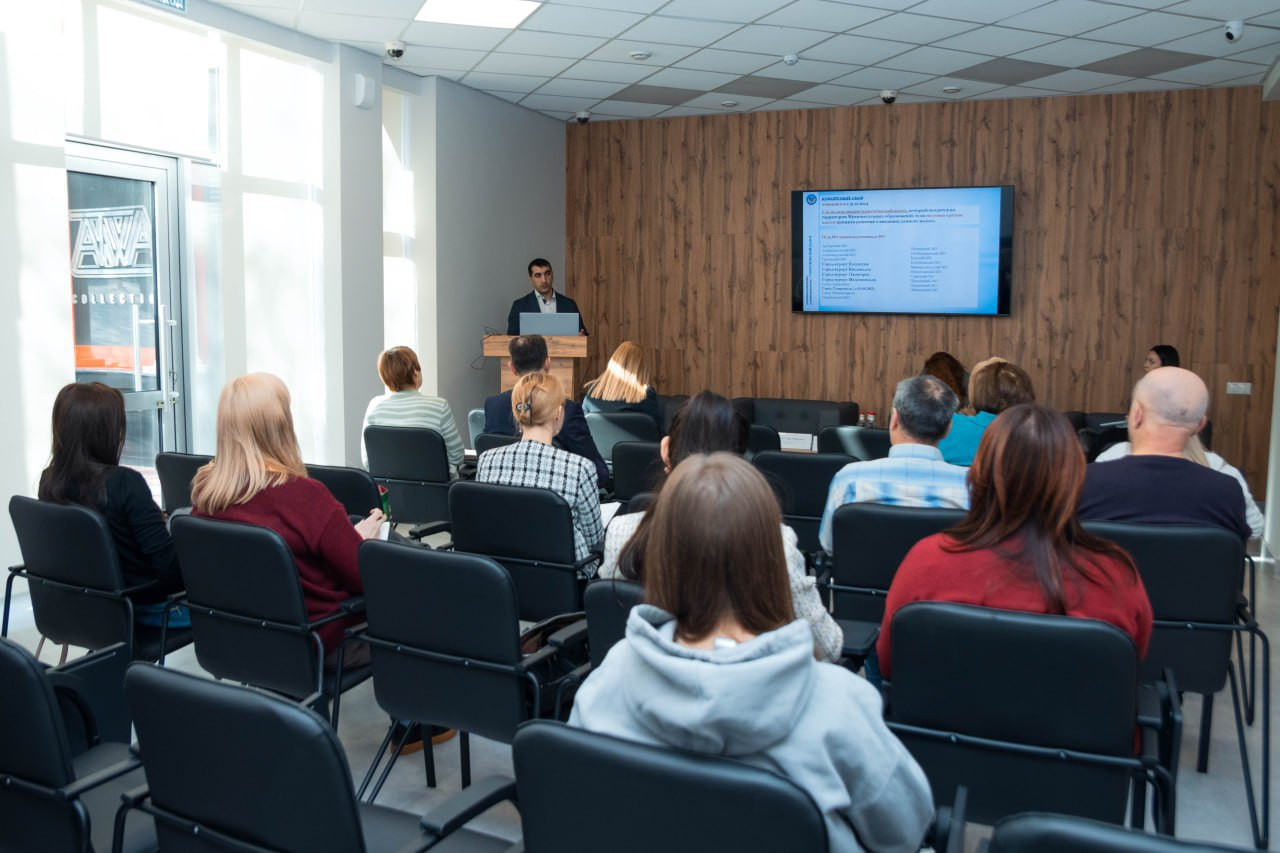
(637, 467)
(70, 544)
(489, 440)
(237, 577)
(1095, 420)
(639, 502)
(1099, 440)
(1042, 832)
(609, 428)
(176, 471)
(862, 443)
(670, 404)
(608, 602)
(529, 532)
(869, 541)
(354, 488)
(462, 609)
(1192, 574)
(413, 464)
(801, 482)
(475, 426)
(762, 439)
(1076, 418)
(718, 804)
(1021, 678)
(240, 762)
(805, 416)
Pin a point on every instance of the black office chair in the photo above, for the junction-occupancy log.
(607, 603)
(862, 443)
(354, 488)
(637, 467)
(1028, 711)
(176, 471)
(53, 796)
(235, 769)
(489, 440)
(413, 464)
(638, 503)
(78, 593)
(530, 533)
(869, 541)
(802, 482)
(1075, 417)
(248, 614)
(802, 416)
(1042, 832)
(1193, 576)
(670, 404)
(609, 428)
(762, 439)
(445, 643)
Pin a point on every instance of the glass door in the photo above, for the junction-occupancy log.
(124, 291)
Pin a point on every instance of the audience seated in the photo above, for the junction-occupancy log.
(84, 468)
(948, 368)
(538, 406)
(404, 405)
(994, 386)
(707, 423)
(914, 473)
(1156, 483)
(624, 386)
(1021, 547)
(717, 663)
(529, 355)
(257, 477)
(1161, 355)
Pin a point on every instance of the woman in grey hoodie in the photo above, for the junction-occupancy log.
(716, 662)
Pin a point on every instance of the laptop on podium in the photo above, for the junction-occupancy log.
(548, 325)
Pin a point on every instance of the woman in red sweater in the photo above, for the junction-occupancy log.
(1021, 546)
(258, 477)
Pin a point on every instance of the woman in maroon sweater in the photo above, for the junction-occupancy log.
(1021, 546)
(258, 477)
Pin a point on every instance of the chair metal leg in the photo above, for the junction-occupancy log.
(377, 759)
(1261, 829)
(429, 758)
(1249, 683)
(464, 754)
(395, 753)
(1138, 799)
(1206, 722)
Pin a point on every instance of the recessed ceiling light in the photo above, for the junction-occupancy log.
(728, 103)
(503, 14)
(950, 90)
(640, 55)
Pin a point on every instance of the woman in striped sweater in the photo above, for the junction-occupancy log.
(405, 406)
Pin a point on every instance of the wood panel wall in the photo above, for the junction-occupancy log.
(1139, 219)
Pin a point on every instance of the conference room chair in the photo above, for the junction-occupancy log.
(413, 464)
(354, 488)
(798, 416)
(761, 438)
(60, 778)
(862, 443)
(638, 503)
(1075, 417)
(475, 426)
(248, 615)
(1030, 712)
(637, 467)
(176, 471)
(444, 635)
(670, 404)
(78, 592)
(802, 482)
(868, 543)
(529, 532)
(607, 605)
(489, 440)
(1044, 832)
(234, 769)
(1193, 576)
(610, 428)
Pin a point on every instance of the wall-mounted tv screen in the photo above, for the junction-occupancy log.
(939, 250)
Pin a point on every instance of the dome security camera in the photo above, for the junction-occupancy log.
(1233, 30)
(582, 117)
(889, 95)
(395, 49)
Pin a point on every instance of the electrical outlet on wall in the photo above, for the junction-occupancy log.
(1240, 388)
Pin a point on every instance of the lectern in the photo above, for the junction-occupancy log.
(566, 352)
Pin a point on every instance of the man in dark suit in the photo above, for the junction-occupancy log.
(529, 355)
(544, 298)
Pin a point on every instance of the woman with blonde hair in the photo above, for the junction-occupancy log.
(624, 386)
(537, 404)
(258, 477)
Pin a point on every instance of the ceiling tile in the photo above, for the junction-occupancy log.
(821, 15)
(1006, 92)
(982, 11)
(327, 25)
(932, 60)
(808, 69)
(442, 57)
(282, 17)
(712, 101)
(840, 96)
(646, 94)
(619, 50)
(933, 88)
(688, 111)
(513, 97)
(1261, 55)
(1007, 72)
(741, 11)
(1138, 85)
(856, 50)
(429, 71)
(1147, 62)
(1149, 29)
(996, 41)
(1076, 80)
(727, 61)
(454, 35)
(539, 101)
(903, 98)
(629, 109)
(1214, 71)
(687, 78)
(550, 44)
(1072, 52)
(520, 63)
(892, 5)
(770, 88)
(778, 41)
(612, 72)
(773, 106)
(576, 20)
(1271, 19)
(1224, 10)
(658, 28)
(642, 6)
(503, 82)
(1070, 17)
(1212, 43)
(881, 78)
(404, 9)
(580, 88)
(918, 29)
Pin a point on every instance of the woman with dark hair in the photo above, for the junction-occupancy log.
(994, 386)
(707, 423)
(85, 469)
(948, 368)
(1161, 355)
(716, 662)
(1021, 546)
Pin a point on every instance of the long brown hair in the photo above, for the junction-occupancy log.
(996, 385)
(1023, 488)
(88, 437)
(625, 377)
(948, 368)
(716, 549)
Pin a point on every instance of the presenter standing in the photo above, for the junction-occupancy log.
(544, 298)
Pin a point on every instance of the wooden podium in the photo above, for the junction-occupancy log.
(566, 352)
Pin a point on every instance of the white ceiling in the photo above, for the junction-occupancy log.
(717, 56)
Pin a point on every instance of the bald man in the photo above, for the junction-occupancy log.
(1156, 484)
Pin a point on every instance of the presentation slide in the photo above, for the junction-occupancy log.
(911, 251)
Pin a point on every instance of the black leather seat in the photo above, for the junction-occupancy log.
(637, 467)
(1042, 832)
(413, 464)
(354, 488)
(489, 440)
(610, 428)
(802, 482)
(176, 471)
(670, 404)
(797, 416)
(862, 443)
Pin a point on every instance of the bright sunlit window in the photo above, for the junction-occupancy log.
(506, 14)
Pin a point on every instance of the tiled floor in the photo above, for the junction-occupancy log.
(1211, 806)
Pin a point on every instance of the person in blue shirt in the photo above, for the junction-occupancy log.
(994, 385)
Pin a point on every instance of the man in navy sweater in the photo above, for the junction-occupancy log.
(543, 299)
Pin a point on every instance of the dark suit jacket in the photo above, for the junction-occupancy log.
(574, 436)
(529, 305)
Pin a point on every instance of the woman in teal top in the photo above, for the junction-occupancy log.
(994, 385)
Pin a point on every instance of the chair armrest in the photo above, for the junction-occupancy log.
(569, 635)
(99, 777)
(541, 655)
(859, 637)
(353, 605)
(453, 814)
(430, 529)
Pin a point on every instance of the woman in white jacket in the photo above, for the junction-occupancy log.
(716, 662)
